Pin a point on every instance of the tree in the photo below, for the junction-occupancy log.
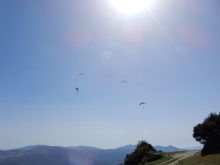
(208, 134)
(143, 153)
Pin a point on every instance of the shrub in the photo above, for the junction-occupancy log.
(143, 153)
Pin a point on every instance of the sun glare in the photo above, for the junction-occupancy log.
(131, 6)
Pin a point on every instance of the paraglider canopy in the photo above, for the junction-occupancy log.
(124, 81)
(142, 103)
(81, 75)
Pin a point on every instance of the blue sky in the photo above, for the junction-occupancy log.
(168, 53)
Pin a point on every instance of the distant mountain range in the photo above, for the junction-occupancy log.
(168, 148)
(79, 155)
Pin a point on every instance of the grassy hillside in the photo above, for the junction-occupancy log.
(198, 159)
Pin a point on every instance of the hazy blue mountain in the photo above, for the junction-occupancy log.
(83, 148)
(109, 156)
(130, 148)
(43, 155)
(168, 148)
(28, 147)
(48, 155)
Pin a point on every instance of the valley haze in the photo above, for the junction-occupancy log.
(56, 155)
(130, 147)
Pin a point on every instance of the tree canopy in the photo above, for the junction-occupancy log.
(208, 134)
(143, 153)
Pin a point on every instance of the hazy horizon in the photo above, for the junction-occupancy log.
(191, 147)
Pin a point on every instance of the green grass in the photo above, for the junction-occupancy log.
(168, 158)
(164, 159)
(172, 160)
(197, 159)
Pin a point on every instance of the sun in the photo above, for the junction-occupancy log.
(131, 6)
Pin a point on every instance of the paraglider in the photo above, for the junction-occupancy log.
(142, 104)
(124, 81)
(81, 75)
(77, 89)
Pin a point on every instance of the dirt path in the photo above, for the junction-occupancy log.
(183, 156)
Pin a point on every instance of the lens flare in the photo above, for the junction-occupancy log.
(131, 6)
